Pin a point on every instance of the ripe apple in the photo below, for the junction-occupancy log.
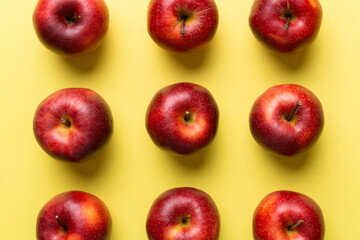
(182, 25)
(287, 119)
(286, 215)
(73, 124)
(285, 25)
(71, 27)
(183, 213)
(74, 215)
(182, 117)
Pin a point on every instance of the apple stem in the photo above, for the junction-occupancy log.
(288, 16)
(182, 30)
(66, 122)
(287, 24)
(293, 227)
(61, 224)
(187, 116)
(291, 115)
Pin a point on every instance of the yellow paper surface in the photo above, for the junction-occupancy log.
(131, 172)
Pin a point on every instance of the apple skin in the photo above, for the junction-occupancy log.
(280, 211)
(73, 124)
(183, 213)
(166, 17)
(268, 18)
(81, 216)
(71, 27)
(271, 129)
(182, 117)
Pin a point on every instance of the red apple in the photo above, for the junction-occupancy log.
(183, 213)
(182, 117)
(182, 25)
(71, 27)
(285, 25)
(286, 215)
(73, 124)
(286, 119)
(74, 215)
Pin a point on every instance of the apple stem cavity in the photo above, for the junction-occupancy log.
(66, 121)
(70, 20)
(61, 224)
(293, 227)
(187, 116)
(185, 220)
(291, 115)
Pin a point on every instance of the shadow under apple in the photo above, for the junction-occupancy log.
(292, 61)
(193, 59)
(92, 166)
(196, 160)
(295, 162)
(88, 62)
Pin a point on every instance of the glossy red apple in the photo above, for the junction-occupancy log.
(74, 215)
(287, 119)
(182, 25)
(71, 27)
(73, 124)
(182, 117)
(286, 215)
(286, 25)
(183, 213)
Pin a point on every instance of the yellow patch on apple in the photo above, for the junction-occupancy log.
(91, 214)
(313, 3)
(74, 236)
(192, 130)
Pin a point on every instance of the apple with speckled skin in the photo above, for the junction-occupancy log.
(182, 25)
(74, 215)
(183, 213)
(182, 117)
(73, 124)
(287, 215)
(286, 26)
(71, 27)
(286, 119)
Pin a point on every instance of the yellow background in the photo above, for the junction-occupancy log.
(131, 172)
